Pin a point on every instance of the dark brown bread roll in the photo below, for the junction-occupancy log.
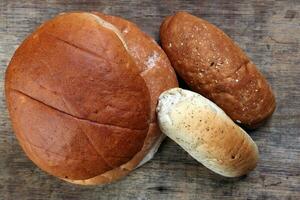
(211, 64)
(81, 93)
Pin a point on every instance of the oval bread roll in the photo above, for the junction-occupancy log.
(202, 129)
(214, 66)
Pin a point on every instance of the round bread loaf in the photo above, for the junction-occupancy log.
(214, 66)
(202, 129)
(82, 91)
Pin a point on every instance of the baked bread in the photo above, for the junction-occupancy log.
(203, 130)
(81, 93)
(214, 66)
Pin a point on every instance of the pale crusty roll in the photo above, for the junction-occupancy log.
(202, 129)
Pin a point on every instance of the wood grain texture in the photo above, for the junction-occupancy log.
(269, 31)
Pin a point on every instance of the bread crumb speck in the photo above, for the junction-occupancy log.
(125, 30)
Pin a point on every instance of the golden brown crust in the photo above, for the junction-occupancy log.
(74, 148)
(158, 75)
(79, 105)
(211, 64)
(152, 62)
(153, 135)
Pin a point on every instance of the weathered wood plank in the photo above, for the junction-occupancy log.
(269, 31)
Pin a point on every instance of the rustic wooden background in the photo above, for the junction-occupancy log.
(269, 31)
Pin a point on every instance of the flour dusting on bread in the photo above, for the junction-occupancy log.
(109, 26)
(202, 129)
(152, 59)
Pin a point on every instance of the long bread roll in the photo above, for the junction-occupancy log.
(202, 129)
(213, 65)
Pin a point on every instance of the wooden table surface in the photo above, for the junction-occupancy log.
(269, 31)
